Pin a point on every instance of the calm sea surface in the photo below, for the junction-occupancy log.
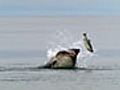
(25, 43)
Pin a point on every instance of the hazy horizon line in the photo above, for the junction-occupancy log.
(57, 16)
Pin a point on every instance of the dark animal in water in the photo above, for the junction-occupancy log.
(63, 59)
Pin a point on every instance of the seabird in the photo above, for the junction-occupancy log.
(87, 43)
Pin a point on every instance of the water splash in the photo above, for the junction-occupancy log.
(63, 42)
(52, 51)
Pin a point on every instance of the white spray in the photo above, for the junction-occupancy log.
(64, 44)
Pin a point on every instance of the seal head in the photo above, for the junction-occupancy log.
(63, 59)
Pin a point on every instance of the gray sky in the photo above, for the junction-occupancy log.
(59, 8)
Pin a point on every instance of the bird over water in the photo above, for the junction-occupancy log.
(87, 43)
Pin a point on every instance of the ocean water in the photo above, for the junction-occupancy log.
(27, 43)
